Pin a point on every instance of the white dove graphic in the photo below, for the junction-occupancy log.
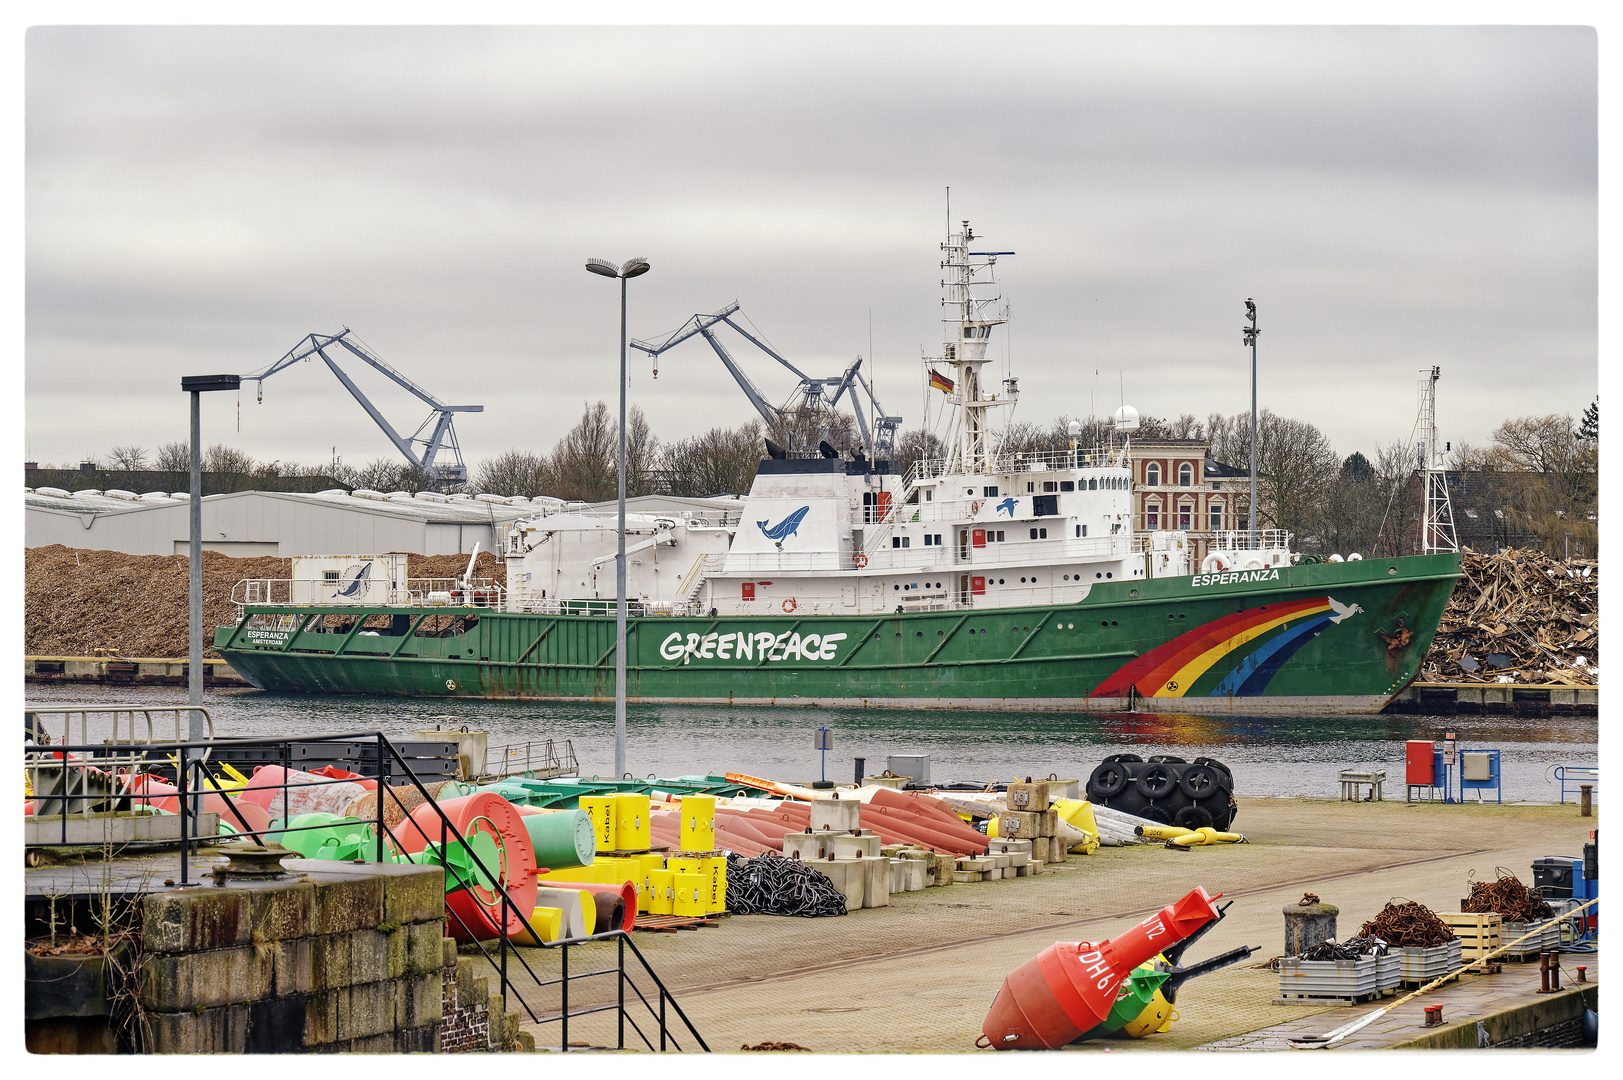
(1342, 611)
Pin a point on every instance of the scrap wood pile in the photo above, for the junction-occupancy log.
(1509, 897)
(1521, 617)
(1408, 925)
(82, 602)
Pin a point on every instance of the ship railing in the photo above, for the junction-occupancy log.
(536, 760)
(455, 592)
(481, 592)
(1023, 461)
(74, 784)
(202, 798)
(1240, 540)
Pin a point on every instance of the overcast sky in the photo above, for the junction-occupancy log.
(198, 200)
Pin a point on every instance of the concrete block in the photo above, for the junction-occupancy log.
(469, 990)
(898, 875)
(1022, 825)
(810, 846)
(448, 953)
(876, 882)
(1059, 852)
(1000, 862)
(1024, 869)
(975, 866)
(1005, 846)
(849, 876)
(994, 874)
(211, 1031)
(174, 922)
(859, 846)
(944, 866)
(1029, 797)
(836, 815)
(962, 876)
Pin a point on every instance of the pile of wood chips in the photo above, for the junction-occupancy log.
(1519, 617)
(80, 602)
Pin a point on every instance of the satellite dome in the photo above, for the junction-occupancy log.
(1126, 418)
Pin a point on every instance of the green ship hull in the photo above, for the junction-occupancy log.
(1324, 637)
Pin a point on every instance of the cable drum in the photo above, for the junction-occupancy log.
(774, 885)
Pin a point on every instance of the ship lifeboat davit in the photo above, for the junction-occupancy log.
(496, 833)
(1071, 987)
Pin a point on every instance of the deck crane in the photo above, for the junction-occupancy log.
(441, 437)
(809, 394)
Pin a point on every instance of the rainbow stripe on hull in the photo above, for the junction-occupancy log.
(1233, 656)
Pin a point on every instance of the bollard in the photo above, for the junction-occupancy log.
(1434, 1015)
(1555, 971)
(1584, 809)
(1544, 973)
(1581, 976)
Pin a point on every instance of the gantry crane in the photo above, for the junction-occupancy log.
(441, 437)
(810, 394)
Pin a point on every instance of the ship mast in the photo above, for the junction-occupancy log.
(1437, 530)
(967, 327)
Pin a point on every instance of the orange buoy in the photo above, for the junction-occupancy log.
(487, 821)
(1070, 987)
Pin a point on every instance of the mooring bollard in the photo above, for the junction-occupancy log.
(1582, 977)
(1584, 801)
(1544, 973)
(1434, 1015)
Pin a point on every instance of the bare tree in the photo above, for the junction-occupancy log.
(229, 469)
(719, 462)
(642, 454)
(1185, 427)
(1296, 465)
(129, 458)
(915, 444)
(516, 472)
(584, 461)
(1549, 474)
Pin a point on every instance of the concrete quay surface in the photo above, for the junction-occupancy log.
(919, 975)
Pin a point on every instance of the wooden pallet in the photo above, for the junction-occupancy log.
(1329, 999)
(670, 924)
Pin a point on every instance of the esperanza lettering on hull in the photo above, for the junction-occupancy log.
(747, 645)
(1232, 576)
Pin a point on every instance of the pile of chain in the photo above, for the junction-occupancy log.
(1509, 897)
(773, 885)
(776, 1046)
(1353, 949)
(1408, 925)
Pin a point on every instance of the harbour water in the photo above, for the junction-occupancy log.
(1269, 756)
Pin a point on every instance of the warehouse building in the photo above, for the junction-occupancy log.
(257, 523)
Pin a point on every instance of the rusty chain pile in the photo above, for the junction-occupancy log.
(1351, 949)
(1408, 925)
(1509, 897)
(776, 1046)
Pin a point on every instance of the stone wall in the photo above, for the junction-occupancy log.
(339, 957)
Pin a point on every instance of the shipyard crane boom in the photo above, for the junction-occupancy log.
(441, 435)
(809, 393)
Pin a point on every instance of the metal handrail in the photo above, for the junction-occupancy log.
(623, 938)
(1577, 776)
(189, 801)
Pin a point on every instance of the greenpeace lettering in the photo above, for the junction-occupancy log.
(1234, 577)
(745, 645)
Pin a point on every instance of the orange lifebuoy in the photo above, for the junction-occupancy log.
(789, 605)
(859, 560)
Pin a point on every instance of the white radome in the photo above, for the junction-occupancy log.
(1126, 418)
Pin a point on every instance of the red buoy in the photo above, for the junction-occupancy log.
(1070, 987)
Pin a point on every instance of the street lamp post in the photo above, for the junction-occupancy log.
(632, 268)
(1250, 339)
(197, 385)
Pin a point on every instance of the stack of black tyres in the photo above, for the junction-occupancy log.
(1166, 789)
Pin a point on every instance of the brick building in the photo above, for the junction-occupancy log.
(1176, 485)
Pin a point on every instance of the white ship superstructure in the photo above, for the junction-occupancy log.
(824, 535)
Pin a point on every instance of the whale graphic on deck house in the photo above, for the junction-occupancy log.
(784, 529)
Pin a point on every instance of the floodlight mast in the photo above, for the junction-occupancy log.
(808, 392)
(442, 434)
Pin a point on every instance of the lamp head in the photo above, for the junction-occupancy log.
(634, 267)
(602, 266)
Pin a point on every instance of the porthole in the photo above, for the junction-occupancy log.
(939, 633)
(1000, 581)
(921, 633)
(1098, 575)
(895, 586)
(1109, 574)
(1113, 622)
(1104, 622)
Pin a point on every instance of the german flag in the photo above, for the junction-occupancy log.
(940, 382)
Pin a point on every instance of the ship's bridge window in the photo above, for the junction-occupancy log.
(929, 494)
(1093, 483)
(901, 541)
(989, 492)
(1067, 485)
(1050, 485)
(1039, 534)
